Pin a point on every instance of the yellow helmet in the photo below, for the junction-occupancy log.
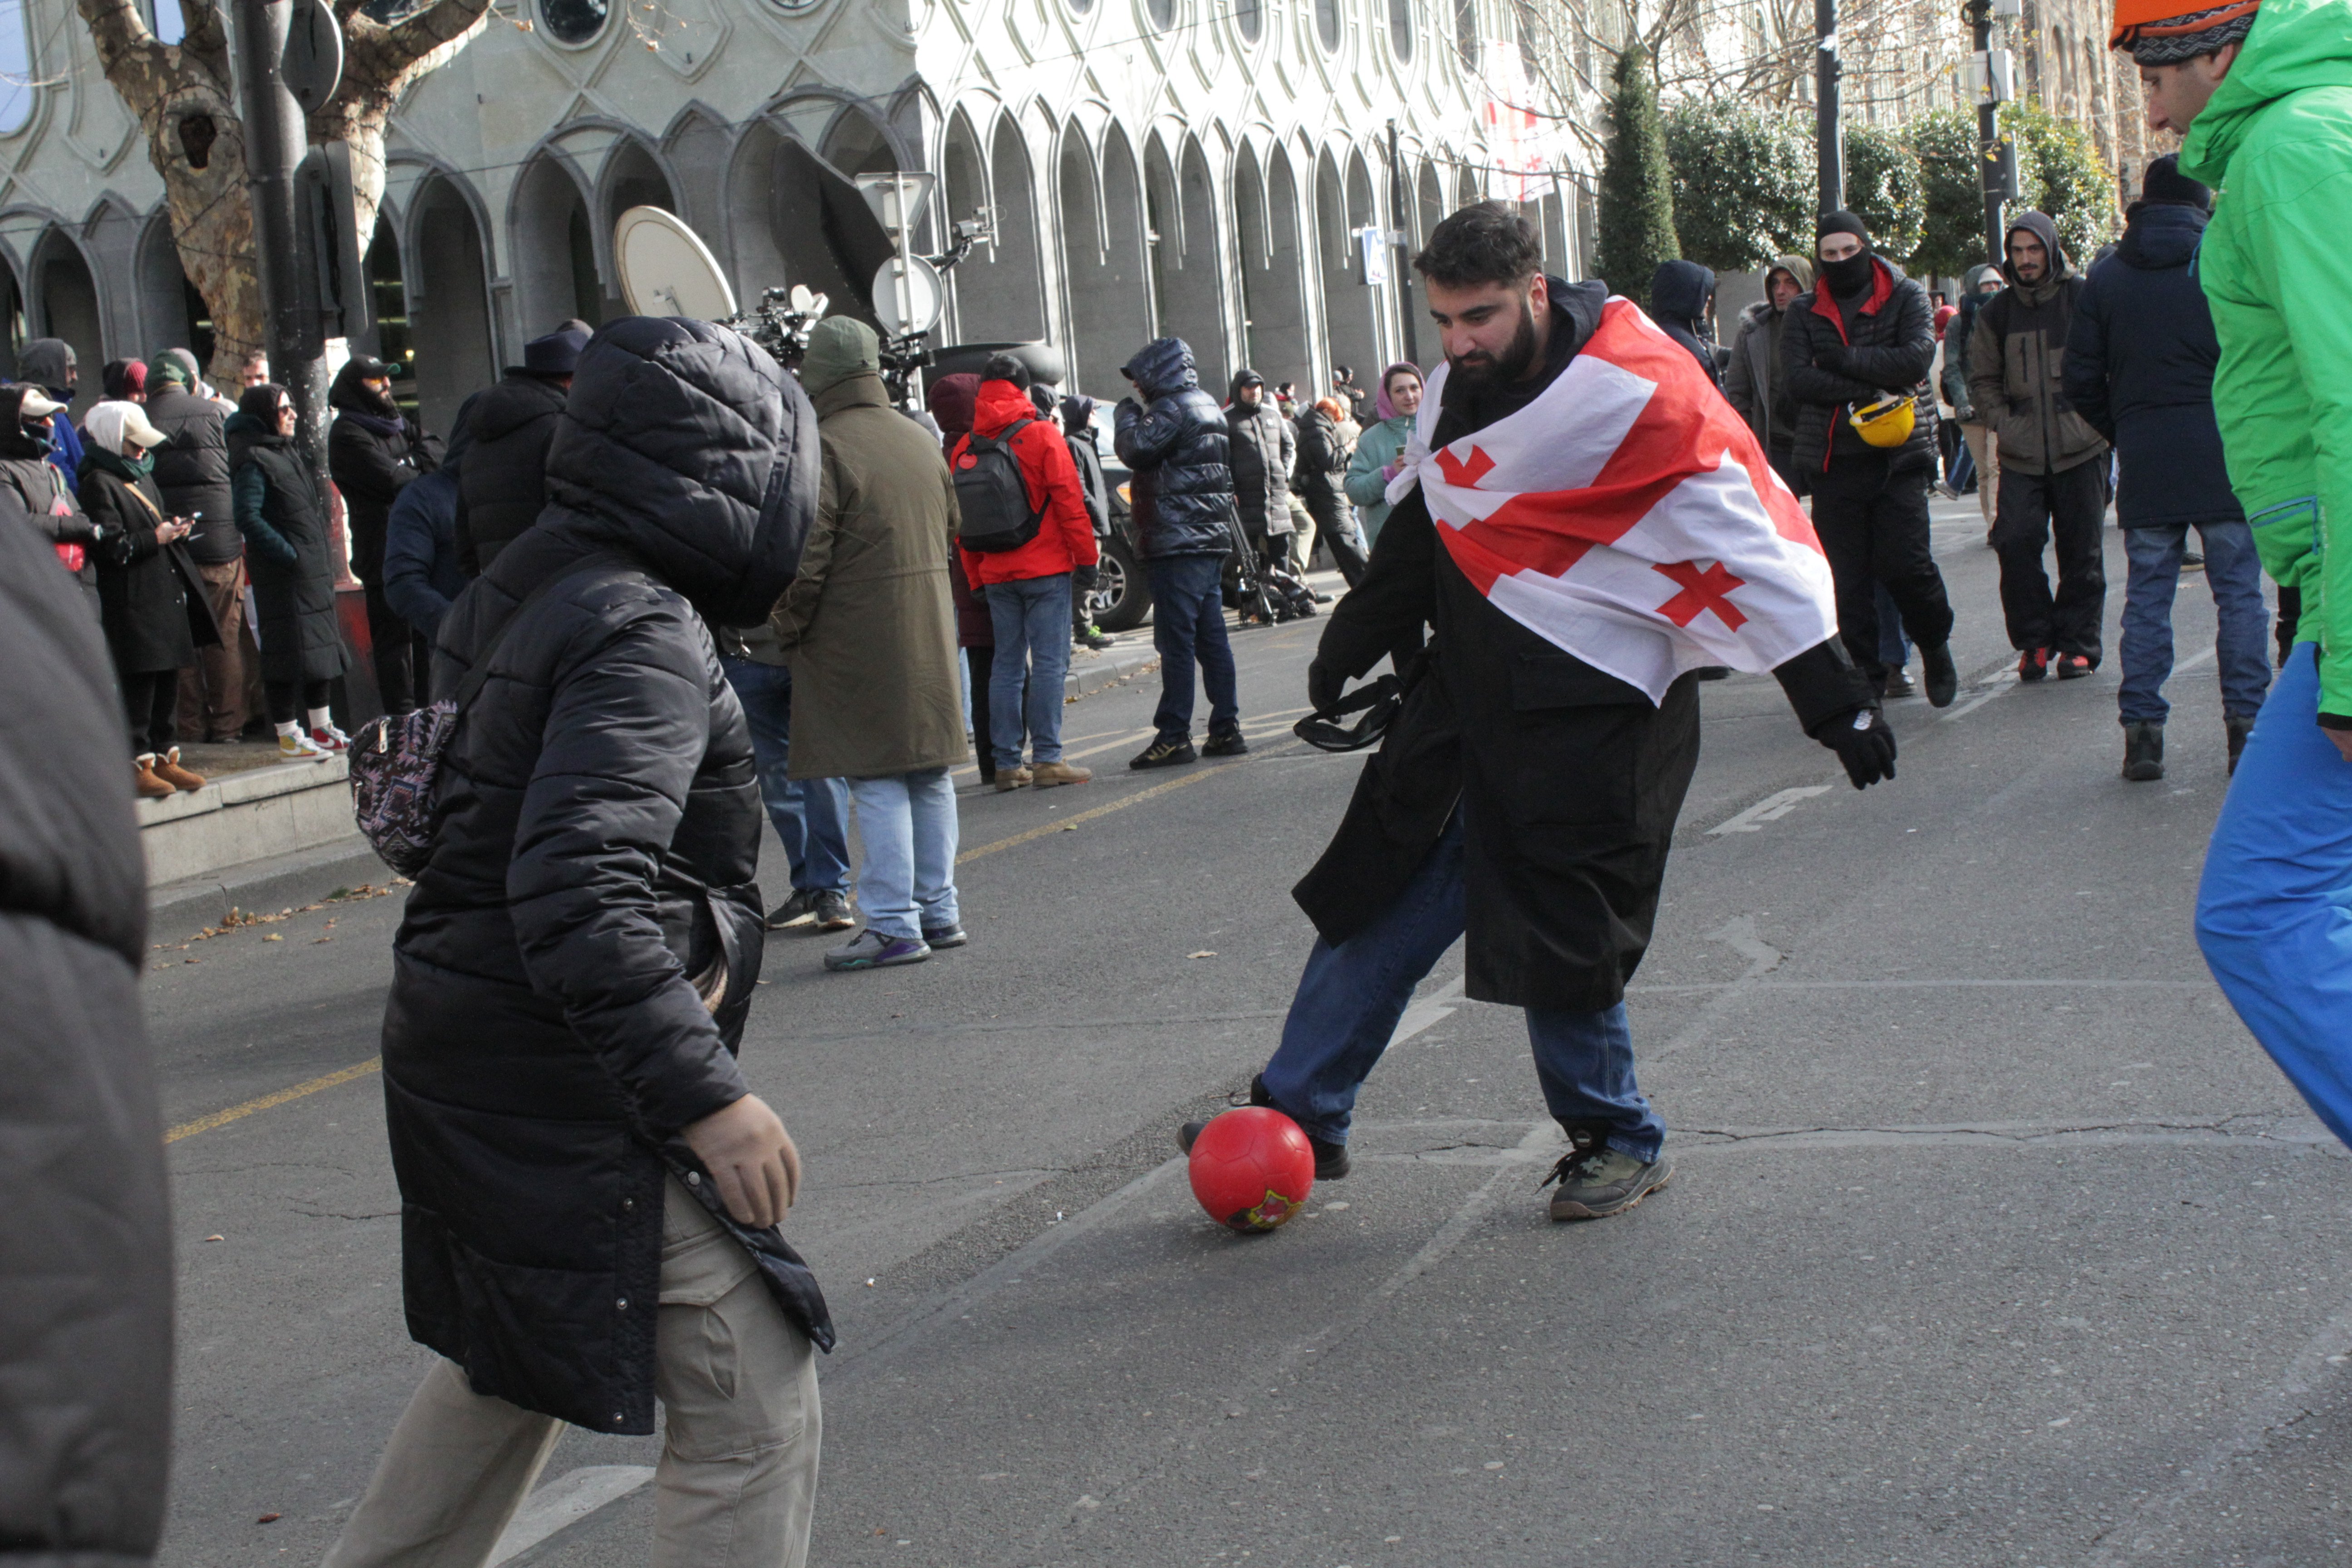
(1886, 423)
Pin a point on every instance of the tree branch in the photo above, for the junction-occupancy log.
(127, 51)
(206, 36)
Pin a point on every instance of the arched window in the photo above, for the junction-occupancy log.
(1327, 23)
(1400, 28)
(16, 92)
(1160, 13)
(574, 21)
(1465, 32)
(1249, 16)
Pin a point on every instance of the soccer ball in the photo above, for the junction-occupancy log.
(1252, 1168)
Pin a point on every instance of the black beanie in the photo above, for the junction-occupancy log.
(2163, 182)
(1842, 222)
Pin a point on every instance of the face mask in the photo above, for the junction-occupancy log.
(1851, 275)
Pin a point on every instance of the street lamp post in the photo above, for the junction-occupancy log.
(1990, 163)
(1826, 71)
(275, 138)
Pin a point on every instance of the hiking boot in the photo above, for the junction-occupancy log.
(1897, 682)
(1225, 743)
(795, 913)
(2033, 664)
(937, 937)
(168, 769)
(1330, 1159)
(871, 950)
(1012, 778)
(1943, 679)
(144, 782)
(1164, 752)
(2239, 730)
(2074, 666)
(1096, 639)
(832, 912)
(1597, 1181)
(2144, 752)
(1045, 775)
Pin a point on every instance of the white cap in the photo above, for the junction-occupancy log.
(37, 403)
(115, 424)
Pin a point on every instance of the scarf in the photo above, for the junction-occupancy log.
(132, 470)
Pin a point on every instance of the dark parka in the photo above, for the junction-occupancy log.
(1748, 384)
(2017, 353)
(150, 596)
(1322, 469)
(85, 1233)
(572, 976)
(1568, 780)
(1827, 367)
(2139, 370)
(32, 488)
(1679, 292)
(1261, 448)
(191, 470)
(370, 465)
(504, 482)
(284, 520)
(1175, 443)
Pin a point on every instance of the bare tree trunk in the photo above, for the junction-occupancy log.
(184, 98)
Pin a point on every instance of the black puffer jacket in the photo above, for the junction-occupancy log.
(504, 482)
(1261, 448)
(284, 520)
(85, 1234)
(192, 471)
(573, 973)
(1322, 467)
(150, 596)
(1825, 373)
(1175, 443)
(2139, 368)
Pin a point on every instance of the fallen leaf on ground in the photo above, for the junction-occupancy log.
(273, 936)
(215, 1238)
(1204, 953)
(269, 1519)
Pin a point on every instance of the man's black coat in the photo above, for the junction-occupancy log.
(1568, 780)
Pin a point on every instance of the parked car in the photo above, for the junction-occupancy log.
(1122, 598)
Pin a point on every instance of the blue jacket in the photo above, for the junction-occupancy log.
(2139, 368)
(421, 576)
(1178, 447)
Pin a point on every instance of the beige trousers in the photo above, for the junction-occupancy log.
(736, 1486)
(1985, 453)
(1302, 539)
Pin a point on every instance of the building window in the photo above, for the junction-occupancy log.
(1081, 7)
(1161, 14)
(574, 21)
(1327, 23)
(16, 92)
(1400, 28)
(1249, 16)
(1465, 32)
(1527, 61)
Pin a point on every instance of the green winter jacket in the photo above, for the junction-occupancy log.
(1376, 449)
(2276, 143)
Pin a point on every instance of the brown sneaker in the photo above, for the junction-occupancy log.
(1047, 774)
(145, 783)
(1011, 779)
(168, 769)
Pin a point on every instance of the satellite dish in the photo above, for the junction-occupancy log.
(907, 296)
(313, 61)
(666, 271)
(805, 300)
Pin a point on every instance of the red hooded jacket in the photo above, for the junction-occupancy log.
(1066, 538)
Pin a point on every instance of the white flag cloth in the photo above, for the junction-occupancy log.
(1628, 516)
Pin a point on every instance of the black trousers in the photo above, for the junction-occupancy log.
(150, 700)
(289, 700)
(2068, 504)
(1871, 519)
(402, 654)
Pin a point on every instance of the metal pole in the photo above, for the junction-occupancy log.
(1403, 248)
(1831, 146)
(275, 137)
(1979, 14)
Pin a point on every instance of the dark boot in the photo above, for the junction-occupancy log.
(1943, 679)
(2143, 753)
(2239, 730)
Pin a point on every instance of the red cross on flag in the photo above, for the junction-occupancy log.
(1628, 516)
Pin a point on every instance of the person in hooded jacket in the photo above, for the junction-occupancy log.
(1379, 449)
(31, 488)
(2053, 472)
(86, 1233)
(1262, 447)
(371, 456)
(421, 575)
(49, 364)
(1176, 444)
(1682, 301)
(501, 491)
(1752, 379)
(284, 520)
(1979, 284)
(569, 1124)
(2139, 368)
(1325, 453)
(1077, 415)
(191, 472)
(869, 627)
(149, 594)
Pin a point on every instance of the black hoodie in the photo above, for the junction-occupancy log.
(1678, 297)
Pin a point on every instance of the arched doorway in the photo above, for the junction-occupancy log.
(1348, 304)
(388, 337)
(554, 251)
(446, 305)
(634, 179)
(1185, 271)
(1274, 299)
(999, 290)
(1102, 258)
(66, 306)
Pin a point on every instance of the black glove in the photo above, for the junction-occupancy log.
(1324, 685)
(1086, 579)
(1863, 742)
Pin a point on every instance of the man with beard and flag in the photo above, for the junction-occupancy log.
(1584, 523)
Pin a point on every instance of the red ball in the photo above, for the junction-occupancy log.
(1252, 1168)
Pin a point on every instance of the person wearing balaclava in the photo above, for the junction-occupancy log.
(869, 629)
(2053, 472)
(1862, 335)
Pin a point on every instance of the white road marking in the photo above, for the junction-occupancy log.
(1771, 808)
(2005, 681)
(563, 1502)
(1422, 1014)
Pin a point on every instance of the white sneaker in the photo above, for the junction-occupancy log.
(331, 739)
(298, 746)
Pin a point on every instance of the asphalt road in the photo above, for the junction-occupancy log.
(1995, 1238)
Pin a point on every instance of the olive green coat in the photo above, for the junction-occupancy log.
(869, 626)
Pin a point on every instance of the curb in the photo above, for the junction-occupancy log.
(1091, 671)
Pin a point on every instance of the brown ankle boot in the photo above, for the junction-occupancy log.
(168, 769)
(145, 783)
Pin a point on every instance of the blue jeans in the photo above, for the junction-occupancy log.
(2241, 636)
(812, 817)
(2274, 908)
(1188, 622)
(909, 824)
(1033, 643)
(1352, 996)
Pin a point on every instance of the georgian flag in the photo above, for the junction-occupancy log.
(1628, 516)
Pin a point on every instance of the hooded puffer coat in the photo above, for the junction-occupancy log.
(192, 471)
(1175, 443)
(1827, 367)
(502, 488)
(572, 976)
(1678, 295)
(85, 1234)
(2017, 356)
(1262, 448)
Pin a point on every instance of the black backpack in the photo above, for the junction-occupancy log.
(993, 494)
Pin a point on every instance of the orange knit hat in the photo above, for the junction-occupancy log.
(2158, 34)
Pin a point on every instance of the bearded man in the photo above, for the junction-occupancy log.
(1585, 523)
